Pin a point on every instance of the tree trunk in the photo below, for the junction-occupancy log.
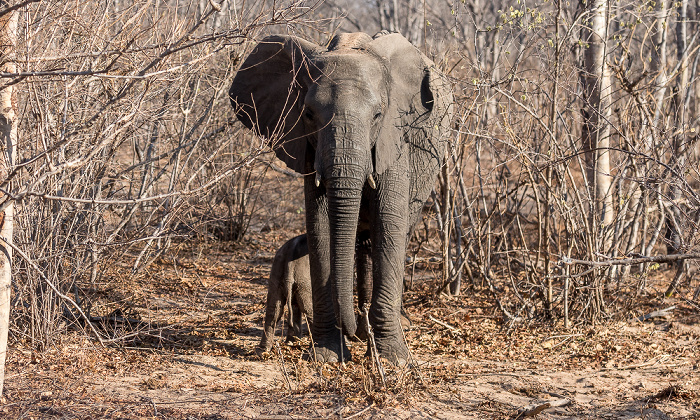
(8, 132)
(678, 155)
(492, 105)
(596, 129)
(695, 72)
(659, 62)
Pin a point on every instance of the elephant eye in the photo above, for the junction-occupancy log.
(377, 116)
(308, 115)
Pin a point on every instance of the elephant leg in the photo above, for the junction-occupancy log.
(273, 313)
(390, 226)
(363, 259)
(328, 341)
(294, 331)
(303, 290)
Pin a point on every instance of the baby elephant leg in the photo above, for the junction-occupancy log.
(274, 308)
(301, 303)
(288, 278)
(294, 320)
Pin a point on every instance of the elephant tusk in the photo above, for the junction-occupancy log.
(318, 174)
(370, 181)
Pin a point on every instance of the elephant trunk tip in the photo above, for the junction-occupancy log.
(350, 329)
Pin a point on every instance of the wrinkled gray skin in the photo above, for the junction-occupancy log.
(290, 286)
(365, 120)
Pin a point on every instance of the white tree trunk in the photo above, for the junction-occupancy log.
(8, 132)
(596, 130)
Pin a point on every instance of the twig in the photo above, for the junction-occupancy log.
(413, 363)
(359, 413)
(633, 261)
(312, 350)
(697, 307)
(284, 369)
(535, 409)
(284, 171)
(17, 6)
(515, 375)
(564, 341)
(153, 403)
(680, 270)
(450, 327)
(551, 337)
(373, 345)
(115, 320)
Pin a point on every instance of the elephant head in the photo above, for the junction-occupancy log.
(344, 114)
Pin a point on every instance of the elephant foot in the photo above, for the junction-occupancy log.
(329, 351)
(262, 351)
(393, 349)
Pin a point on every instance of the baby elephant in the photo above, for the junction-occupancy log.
(290, 286)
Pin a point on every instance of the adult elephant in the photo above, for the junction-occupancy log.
(365, 120)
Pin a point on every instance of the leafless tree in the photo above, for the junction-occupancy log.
(8, 133)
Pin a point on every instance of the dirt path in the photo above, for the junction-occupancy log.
(203, 386)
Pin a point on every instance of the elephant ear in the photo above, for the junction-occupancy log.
(419, 107)
(268, 93)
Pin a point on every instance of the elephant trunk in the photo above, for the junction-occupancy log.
(344, 192)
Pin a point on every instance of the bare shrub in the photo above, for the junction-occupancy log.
(531, 223)
(126, 142)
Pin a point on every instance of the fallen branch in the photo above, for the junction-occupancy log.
(661, 313)
(653, 362)
(535, 409)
